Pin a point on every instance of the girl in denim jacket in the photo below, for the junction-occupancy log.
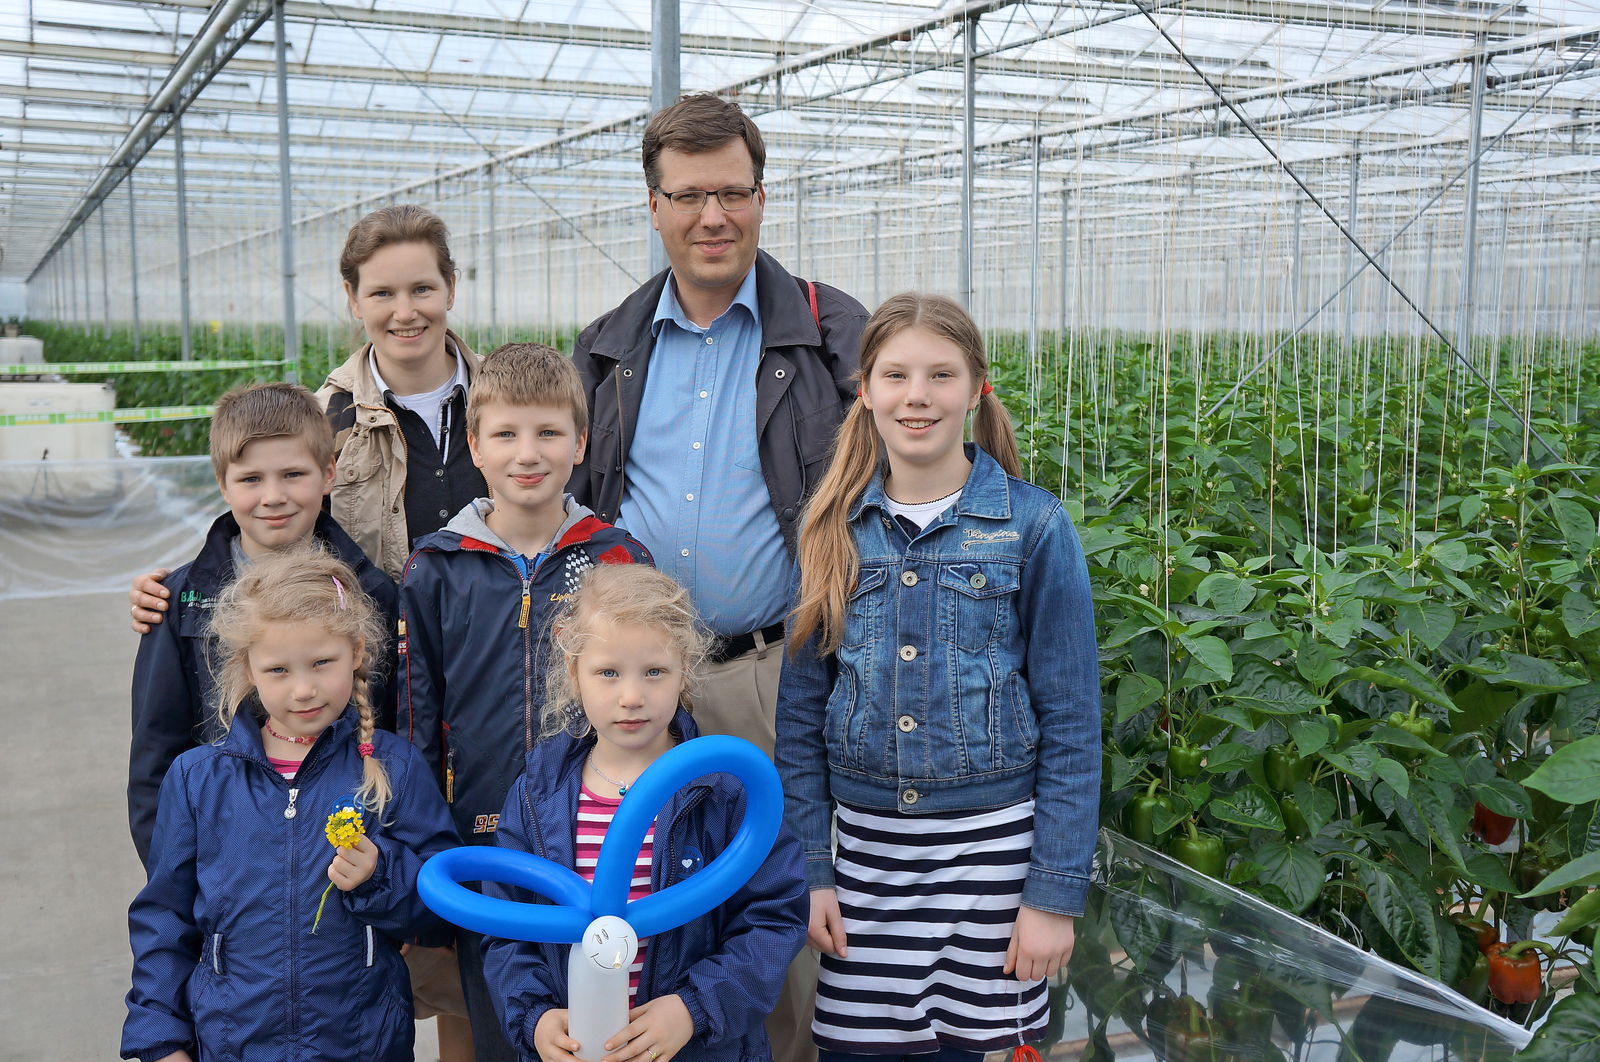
(940, 708)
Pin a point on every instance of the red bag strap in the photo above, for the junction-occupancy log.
(811, 291)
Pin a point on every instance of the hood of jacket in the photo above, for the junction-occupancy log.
(212, 568)
(471, 523)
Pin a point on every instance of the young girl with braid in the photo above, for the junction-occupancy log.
(284, 865)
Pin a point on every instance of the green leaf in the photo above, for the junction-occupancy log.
(1585, 870)
(1310, 732)
(1317, 662)
(1572, 774)
(1396, 738)
(1124, 770)
(1164, 819)
(1295, 870)
(1577, 526)
(1524, 672)
(1578, 614)
(1570, 1033)
(1273, 690)
(1453, 555)
(1586, 912)
(1359, 760)
(1393, 772)
(1481, 706)
(1134, 919)
(1229, 756)
(1400, 673)
(1505, 797)
(1226, 593)
(1136, 692)
(1249, 806)
(1211, 652)
(1431, 621)
(1402, 908)
(1488, 871)
(1436, 813)
(1317, 805)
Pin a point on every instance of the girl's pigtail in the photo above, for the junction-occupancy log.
(829, 561)
(991, 429)
(375, 791)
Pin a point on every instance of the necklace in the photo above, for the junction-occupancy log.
(622, 790)
(295, 740)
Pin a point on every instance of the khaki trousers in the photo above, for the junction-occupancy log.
(740, 698)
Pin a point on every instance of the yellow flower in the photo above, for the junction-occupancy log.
(344, 827)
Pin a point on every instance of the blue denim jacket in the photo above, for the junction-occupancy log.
(968, 678)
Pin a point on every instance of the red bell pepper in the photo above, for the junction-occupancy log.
(1493, 827)
(1515, 974)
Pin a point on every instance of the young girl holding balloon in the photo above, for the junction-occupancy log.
(940, 708)
(253, 935)
(627, 647)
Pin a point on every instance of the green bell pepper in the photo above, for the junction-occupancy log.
(1284, 767)
(1138, 818)
(1419, 726)
(1294, 820)
(1183, 759)
(1197, 851)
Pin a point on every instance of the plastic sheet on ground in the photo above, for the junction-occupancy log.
(69, 527)
(1178, 967)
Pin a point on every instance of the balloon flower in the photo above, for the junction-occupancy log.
(599, 918)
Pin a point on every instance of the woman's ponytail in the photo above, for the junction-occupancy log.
(991, 430)
(375, 791)
(827, 555)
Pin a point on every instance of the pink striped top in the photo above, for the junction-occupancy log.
(594, 818)
(287, 768)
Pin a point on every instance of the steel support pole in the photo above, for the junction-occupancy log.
(1066, 206)
(494, 261)
(877, 259)
(1297, 276)
(1349, 248)
(665, 85)
(1469, 235)
(133, 263)
(291, 330)
(88, 301)
(799, 225)
(105, 278)
(968, 150)
(183, 237)
(1033, 263)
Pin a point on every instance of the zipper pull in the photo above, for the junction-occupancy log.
(527, 602)
(289, 811)
(450, 777)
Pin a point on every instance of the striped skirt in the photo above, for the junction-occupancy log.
(928, 904)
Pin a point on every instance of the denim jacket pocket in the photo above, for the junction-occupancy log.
(863, 613)
(978, 604)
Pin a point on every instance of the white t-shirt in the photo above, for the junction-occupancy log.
(429, 405)
(921, 513)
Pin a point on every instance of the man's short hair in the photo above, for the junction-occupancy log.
(267, 411)
(527, 374)
(698, 123)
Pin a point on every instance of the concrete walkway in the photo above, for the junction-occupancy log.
(67, 867)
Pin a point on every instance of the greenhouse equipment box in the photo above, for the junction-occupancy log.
(21, 350)
(40, 421)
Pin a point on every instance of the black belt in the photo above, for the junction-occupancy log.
(727, 648)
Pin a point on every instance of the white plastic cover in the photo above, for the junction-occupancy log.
(72, 527)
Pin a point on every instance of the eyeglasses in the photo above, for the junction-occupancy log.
(730, 199)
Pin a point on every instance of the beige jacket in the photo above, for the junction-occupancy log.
(370, 449)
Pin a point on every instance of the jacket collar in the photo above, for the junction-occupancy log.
(784, 310)
(212, 568)
(555, 764)
(355, 375)
(986, 494)
(472, 532)
(244, 736)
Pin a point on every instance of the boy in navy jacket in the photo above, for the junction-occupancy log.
(272, 452)
(475, 598)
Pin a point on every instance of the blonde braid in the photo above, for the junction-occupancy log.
(375, 791)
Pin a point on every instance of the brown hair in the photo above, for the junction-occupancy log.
(618, 594)
(299, 587)
(697, 123)
(828, 558)
(527, 374)
(267, 411)
(390, 226)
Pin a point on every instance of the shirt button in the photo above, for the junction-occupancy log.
(704, 394)
(709, 341)
(439, 472)
(906, 724)
(978, 581)
(688, 497)
(444, 514)
(683, 552)
(909, 578)
(910, 796)
(697, 446)
(908, 653)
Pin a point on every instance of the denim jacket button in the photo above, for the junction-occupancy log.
(977, 581)
(909, 578)
(908, 653)
(906, 724)
(909, 796)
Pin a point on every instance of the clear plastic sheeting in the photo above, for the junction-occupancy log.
(1175, 966)
(71, 527)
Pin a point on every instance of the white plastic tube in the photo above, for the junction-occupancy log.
(597, 984)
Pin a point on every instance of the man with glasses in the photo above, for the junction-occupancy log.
(714, 393)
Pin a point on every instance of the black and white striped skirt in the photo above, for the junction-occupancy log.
(928, 904)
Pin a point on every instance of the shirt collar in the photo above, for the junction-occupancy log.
(458, 379)
(669, 309)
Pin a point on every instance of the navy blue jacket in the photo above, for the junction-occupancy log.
(727, 967)
(473, 652)
(173, 707)
(224, 961)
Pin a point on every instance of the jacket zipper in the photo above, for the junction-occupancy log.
(647, 975)
(449, 774)
(527, 666)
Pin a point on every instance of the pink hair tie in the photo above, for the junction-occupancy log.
(365, 748)
(337, 585)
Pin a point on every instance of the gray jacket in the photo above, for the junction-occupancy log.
(804, 384)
